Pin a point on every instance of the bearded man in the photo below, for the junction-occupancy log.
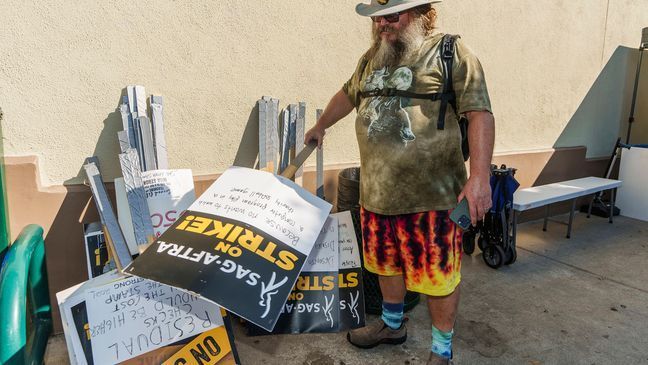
(412, 167)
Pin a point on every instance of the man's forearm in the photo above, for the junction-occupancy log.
(481, 138)
(339, 107)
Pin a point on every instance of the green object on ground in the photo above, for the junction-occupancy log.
(23, 274)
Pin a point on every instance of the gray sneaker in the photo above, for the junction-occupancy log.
(438, 360)
(375, 334)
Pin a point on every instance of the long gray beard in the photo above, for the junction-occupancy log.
(403, 50)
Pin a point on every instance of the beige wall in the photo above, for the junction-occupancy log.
(558, 72)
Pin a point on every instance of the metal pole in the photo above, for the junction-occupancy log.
(571, 218)
(612, 197)
(634, 94)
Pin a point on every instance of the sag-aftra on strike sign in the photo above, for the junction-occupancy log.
(242, 244)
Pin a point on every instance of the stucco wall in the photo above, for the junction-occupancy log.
(63, 66)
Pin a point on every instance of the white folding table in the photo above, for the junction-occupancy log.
(544, 195)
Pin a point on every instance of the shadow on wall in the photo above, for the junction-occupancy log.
(600, 119)
(248, 149)
(588, 140)
(106, 148)
(65, 248)
(602, 115)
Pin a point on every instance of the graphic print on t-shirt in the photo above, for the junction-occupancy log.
(386, 115)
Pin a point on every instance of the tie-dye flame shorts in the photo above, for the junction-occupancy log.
(423, 247)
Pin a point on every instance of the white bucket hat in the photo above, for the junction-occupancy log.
(385, 7)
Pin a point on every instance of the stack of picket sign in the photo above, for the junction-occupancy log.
(257, 244)
(281, 139)
(114, 318)
(254, 243)
(150, 197)
(328, 295)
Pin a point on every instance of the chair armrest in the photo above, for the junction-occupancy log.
(24, 272)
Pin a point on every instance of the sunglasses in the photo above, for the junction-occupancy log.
(390, 18)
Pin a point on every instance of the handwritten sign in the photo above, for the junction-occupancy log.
(352, 313)
(74, 317)
(242, 244)
(324, 256)
(168, 194)
(328, 295)
(133, 316)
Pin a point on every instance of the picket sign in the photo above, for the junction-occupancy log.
(300, 125)
(97, 255)
(124, 215)
(112, 319)
(268, 134)
(133, 316)
(319, 166)
(159, 139)
(74, 317)
(352, 304)
(241, 245)
(168, 194)
(139, 212)
(165, 194)
(112, 232)
(328, 295)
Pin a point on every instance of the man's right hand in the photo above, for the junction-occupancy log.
(315, 134)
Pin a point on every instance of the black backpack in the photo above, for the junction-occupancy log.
(447, 96)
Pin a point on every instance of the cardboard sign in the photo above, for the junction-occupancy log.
(328, 295)
(74, 318)
(133, 316)
(132, 332)
(242, 244)
(168, 194)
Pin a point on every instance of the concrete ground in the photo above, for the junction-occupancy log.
(582, 300)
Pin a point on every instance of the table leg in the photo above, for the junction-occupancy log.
(589, 208)
(546, 218)
(612, 197)
(515, 219)
(571, 218)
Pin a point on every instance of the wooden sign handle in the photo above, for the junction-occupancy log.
(299, 160)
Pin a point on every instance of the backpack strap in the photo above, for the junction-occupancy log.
(406, 94)
(447, 58)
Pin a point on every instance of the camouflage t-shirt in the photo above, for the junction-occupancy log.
(407, 164)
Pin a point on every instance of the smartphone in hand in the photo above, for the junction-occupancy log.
(461, 214)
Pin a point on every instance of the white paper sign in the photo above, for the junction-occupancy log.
(324, 257)
(349, 249)
(266, 204)
(168, 194)
(133, 316)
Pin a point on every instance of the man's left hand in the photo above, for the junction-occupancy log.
(478, 192)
